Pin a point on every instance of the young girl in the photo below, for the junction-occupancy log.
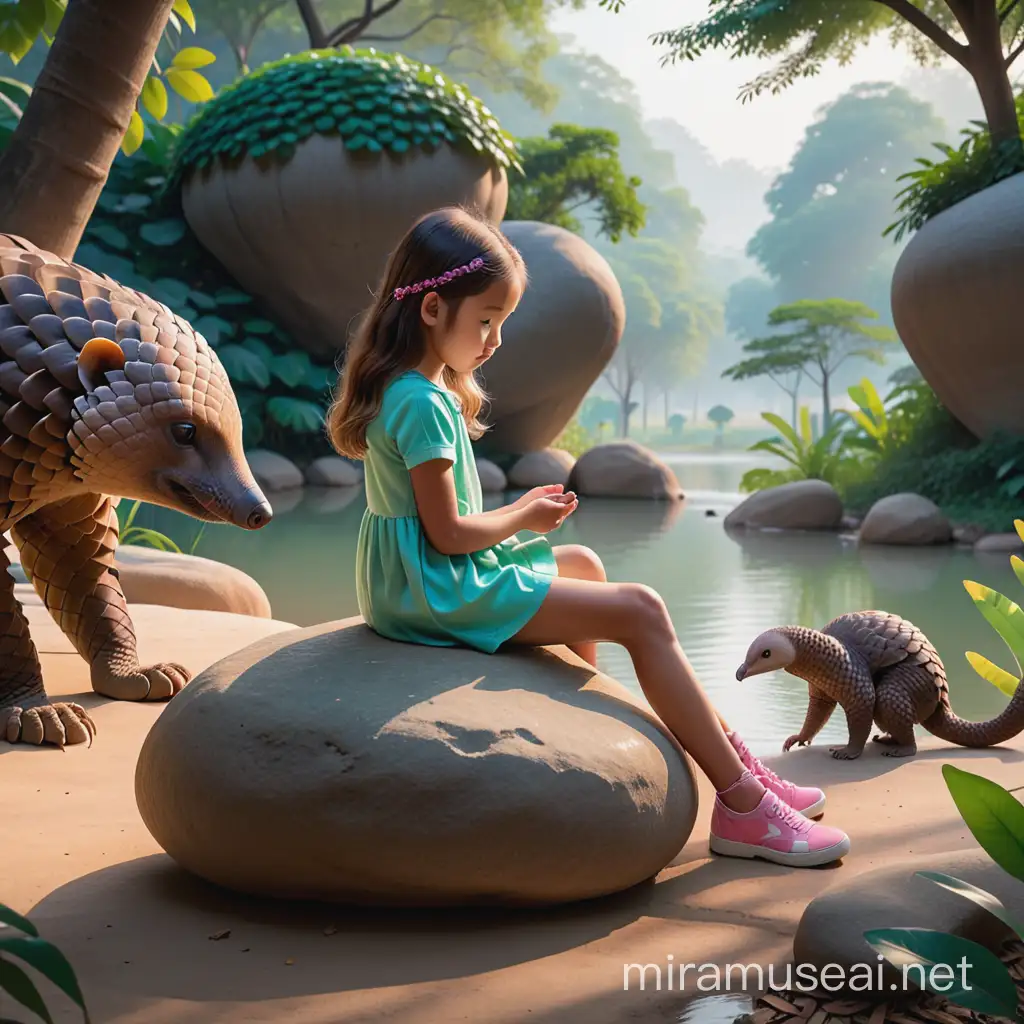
(434, 568)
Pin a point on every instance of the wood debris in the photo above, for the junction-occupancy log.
(797, 1006)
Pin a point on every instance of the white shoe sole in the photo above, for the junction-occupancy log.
(750, 851)
(814, 810)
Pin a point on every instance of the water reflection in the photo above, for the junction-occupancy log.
(721, 589)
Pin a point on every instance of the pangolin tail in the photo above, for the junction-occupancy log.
(947, 725)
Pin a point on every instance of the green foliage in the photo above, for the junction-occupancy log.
(996, 820)
(373, 102)
(720, 415)
(676, 422)
(43, 957)
(22, 22)
(973, 166)
(1007, 619)
(574, 438)
(139, 237)
(871, 417)
(829, 208)
(129, 533)
(574, 167)
(810, 458)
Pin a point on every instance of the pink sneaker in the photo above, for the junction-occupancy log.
(774, 831)
(808, 800)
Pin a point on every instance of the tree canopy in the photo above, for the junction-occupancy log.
(983, 36)
(821, 335)
(830, 207)
(575, 167)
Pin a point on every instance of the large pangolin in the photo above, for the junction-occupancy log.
(882, 670)
(104, 393)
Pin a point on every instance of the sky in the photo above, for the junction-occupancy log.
(702, 94)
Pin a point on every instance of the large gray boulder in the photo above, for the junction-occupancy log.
(623, 469)
(905, 518)
(331, 764)
(800, 505)
(832, 928)
(559, 341)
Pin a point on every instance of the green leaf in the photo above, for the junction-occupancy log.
(163, 232)
(992, 814)
(135, 134)
(109, 235)
(15, 920)
(976, 895)
(214, 329)
(202, 301)
(192, 57)
(170, 291)
(984, 984)
(296, 414)
(782, 427)
(291, 369)
(998, 677)
(190, 85)
(20, 986)
(259, 348)
(184, 11)
(54, 16)
(244, 366)
(154, 97)
(232, 297)
(259, 326)
(49, 961)
(1004, 615)
(1018, 567)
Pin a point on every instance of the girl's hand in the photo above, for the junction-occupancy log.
(544, 514)
(547, 490)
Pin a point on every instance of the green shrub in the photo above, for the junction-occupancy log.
(969, 169)
(373, 101)
(574, 439)
(138, 236)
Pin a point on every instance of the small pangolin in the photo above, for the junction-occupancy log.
(882, 670)
(104, 393)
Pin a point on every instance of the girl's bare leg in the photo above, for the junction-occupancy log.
(578, 562)
(587, 611)
(575, 561)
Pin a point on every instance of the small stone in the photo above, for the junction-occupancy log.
(289, 961)
(217, 936)
(333, 471)
(492, 477)
(330, 930)
(535, 469)
(906, 519)
(273, 472)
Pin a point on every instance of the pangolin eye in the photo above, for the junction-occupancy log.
(184, 434)
(766, 653)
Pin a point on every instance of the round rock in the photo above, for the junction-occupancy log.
(623, 469)
(564, 334)
(331, 764)
(905, 519)
(996, 543)
(492, 476)
(800, 505)
(333, 471)
(273, 472)
(535, 469)
(832, 928)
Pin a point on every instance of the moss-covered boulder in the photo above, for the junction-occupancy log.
(302, 176)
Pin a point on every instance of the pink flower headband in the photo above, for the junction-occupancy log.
(433, 282)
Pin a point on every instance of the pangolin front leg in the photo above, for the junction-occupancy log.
(857, 690)
(67, 549)
(819, 711)
(26, 713)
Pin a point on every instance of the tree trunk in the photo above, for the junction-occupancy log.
(665, 393)
(58, 159)
(826, 412)
(314, 26)
(793, 395)
(646, 404)
(988, 68)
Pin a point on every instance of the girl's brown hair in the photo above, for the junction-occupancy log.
(390, 338)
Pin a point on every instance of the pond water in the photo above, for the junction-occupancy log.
(721, 590)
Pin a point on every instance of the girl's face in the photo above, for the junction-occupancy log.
(475, 333)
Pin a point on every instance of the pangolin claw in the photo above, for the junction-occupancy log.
(62, 724)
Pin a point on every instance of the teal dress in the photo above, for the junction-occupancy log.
(406, 589)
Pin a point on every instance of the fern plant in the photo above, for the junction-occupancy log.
(19, 938)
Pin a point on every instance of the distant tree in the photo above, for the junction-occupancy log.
(676, 422)
(720, 415)
(807, 33)
(241, 21)
(781, 359)
(576, 167)
(831, 206)
(747, 305)
(822, 335)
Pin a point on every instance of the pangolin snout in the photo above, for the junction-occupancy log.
(253, 512)
(741, 672)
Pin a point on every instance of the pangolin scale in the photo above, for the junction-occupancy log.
(104, 393)
(882, 670)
